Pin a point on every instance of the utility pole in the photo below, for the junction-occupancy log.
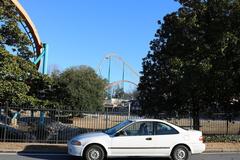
(123, 78)
(109, 76)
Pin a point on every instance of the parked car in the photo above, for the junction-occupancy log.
(141, 137)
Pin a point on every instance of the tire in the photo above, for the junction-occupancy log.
(181, 153)
(94, 152)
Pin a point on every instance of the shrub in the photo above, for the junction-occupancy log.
(222, 138)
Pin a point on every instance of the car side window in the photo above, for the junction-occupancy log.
(163, 129)
(139, 129)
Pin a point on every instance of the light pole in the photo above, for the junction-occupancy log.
(129, 108)
(109, 76)
(109, 89)
(123, 78)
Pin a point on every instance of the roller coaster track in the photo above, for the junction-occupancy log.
(124, 62)
(119, 82)
(30, 29)
(118, 58)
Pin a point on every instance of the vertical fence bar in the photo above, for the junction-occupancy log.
(106, 119)
(58, 114)
(5, 127)
(227, 127)
(190, 120)
(129, 109)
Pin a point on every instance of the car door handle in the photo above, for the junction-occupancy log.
(149, 139)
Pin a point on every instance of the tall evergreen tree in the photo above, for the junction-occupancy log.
(194, 62)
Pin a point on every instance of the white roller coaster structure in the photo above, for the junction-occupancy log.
(113, 55)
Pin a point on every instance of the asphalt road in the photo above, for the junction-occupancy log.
(210, 156)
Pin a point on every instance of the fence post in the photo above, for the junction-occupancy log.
(190, 119)
(106, 118)
(227, 126)
(129, 109)
(32, 113)
(58, 112)
(5, 126)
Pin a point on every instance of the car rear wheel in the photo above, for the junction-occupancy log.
(94, 152)
(181, 153)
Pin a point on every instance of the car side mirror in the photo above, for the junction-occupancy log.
(121, 133)
(117, 134)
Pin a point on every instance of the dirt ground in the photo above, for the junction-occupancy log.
(207, 126)
(212, 126)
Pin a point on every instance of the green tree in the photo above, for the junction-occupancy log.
(21, 83)
(194, 60)
(81, 88)
(11, 35)
(118, 92)
(132, 95)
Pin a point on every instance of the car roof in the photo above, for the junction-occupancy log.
(143, 119)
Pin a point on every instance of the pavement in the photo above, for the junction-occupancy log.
(42, 156)
(62, 148)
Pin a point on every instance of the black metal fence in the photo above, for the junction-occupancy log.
(23, 124)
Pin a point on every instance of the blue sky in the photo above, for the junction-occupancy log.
(81, 32)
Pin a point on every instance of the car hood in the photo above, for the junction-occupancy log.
(91, 135)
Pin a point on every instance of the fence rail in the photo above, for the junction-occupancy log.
(57, 126)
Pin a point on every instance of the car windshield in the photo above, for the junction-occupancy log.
(119, 126)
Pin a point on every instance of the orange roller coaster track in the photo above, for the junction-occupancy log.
(30, 29)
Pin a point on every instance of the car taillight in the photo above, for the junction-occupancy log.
(201, 138)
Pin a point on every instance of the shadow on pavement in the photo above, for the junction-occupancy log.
(139, 158)
(42, 156)
(61, 149)
(58, 152)
(67, 157)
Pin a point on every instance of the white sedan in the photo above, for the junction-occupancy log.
(141, 137)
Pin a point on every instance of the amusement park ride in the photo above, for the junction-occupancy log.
(117, 102)
(40, 49)
(109, 57)
(110, 85)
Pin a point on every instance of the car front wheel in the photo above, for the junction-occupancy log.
(181, 153)
(94, 152)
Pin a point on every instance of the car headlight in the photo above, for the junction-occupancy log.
(75, 142)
